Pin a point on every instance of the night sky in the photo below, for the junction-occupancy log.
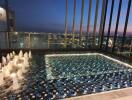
(49, 15)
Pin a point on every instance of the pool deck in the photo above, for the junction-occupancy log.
(120, 94)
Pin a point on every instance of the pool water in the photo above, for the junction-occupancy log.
(61, 76)
(73, 65)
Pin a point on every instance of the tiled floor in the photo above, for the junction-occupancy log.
(121, 94)
(36, 86)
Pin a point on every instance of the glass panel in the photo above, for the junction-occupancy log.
(107, 23)
(3, 40)
(128, 41)
(121, 25)
(113, 25)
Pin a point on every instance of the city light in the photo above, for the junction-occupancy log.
(16, 33)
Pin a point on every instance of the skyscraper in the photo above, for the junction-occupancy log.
(3, 20)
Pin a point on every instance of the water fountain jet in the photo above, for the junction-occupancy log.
(20, 54)
(15, 85)
(19, 74)
(8, 57)
(26, 55)
(1, 78)
(13, 53)
(4, 60)
(6, 71)
(0, 65)
(30, 54)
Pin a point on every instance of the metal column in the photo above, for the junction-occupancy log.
(102, 35)
(117, 23)
(95, 22)
(101, 21)
(126, 23)
(88, 23)
(73, 24)
(8, 26)
(29, 41)
(89, 15)
(66, 21)
(110, 21)
(81, 22)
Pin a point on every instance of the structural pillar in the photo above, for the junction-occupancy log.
(73, 24)
(66, 21)
(103, 29)
(8, 26)
(126, 23)
(101, 21)
(117, 23)
(95, 22)
(81, 23)
(109, 28)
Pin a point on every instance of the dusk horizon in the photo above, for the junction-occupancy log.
(65, 50)
(49, 16)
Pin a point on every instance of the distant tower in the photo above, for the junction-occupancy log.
(3, 22)
(7, 22)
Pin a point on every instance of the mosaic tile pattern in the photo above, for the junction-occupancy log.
(38, 87)
(81, 65)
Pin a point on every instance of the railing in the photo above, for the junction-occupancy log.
(27, 40)
(46, 41)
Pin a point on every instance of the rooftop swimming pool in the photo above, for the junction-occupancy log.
(58, 76)
(78, 74)
(74, 65)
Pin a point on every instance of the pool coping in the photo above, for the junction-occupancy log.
(72, 54)
(112, 94)
(118, 94)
